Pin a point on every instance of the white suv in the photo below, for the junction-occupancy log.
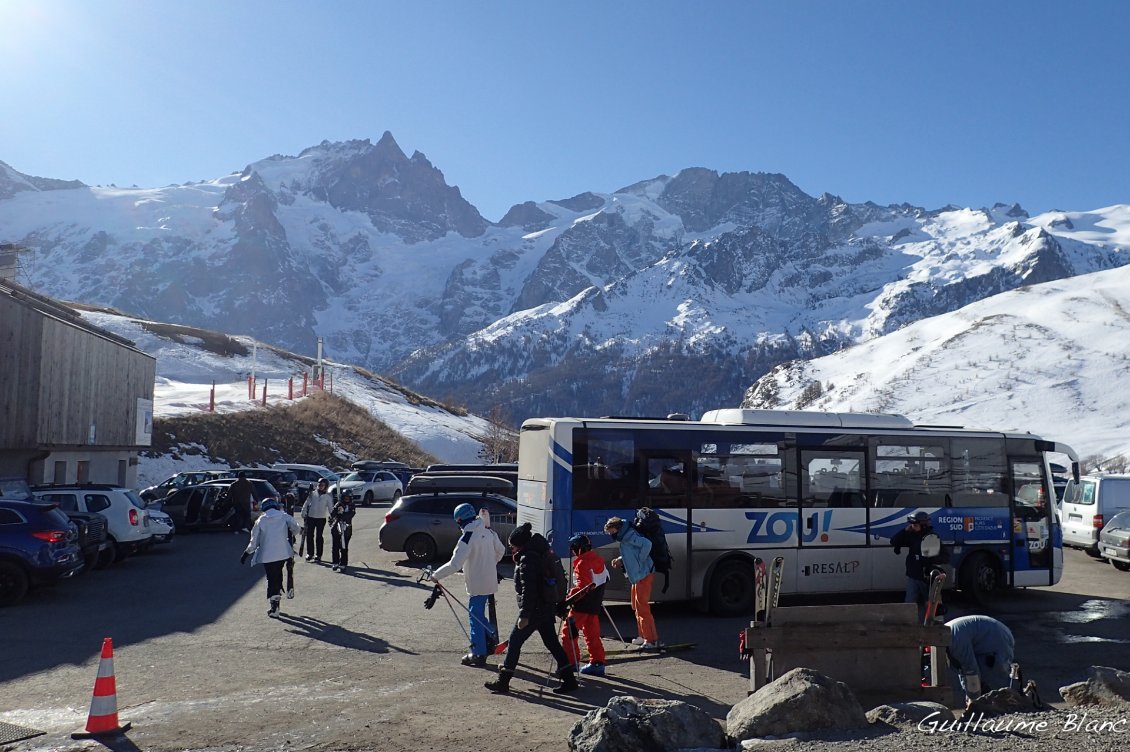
(127, 519)
(307, 476)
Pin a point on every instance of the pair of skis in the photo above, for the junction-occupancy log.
(767, 593)
(934, 596)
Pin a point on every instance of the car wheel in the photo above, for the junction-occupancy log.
(732, 591)
(90, 562)
(420, 548)
(1093, 552)
(981, 578)
(1121, 566)
(368, 499)
(119, 552)
(13, 583)
(396, 497)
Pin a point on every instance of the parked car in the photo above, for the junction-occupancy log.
(1088, 505)
(127, 519)
(164, 529)
(442, 480)
(422, 526)
(307, 476)
(402, 471)
(38, 545)
(209, 504)
(1114, 541)
(284, 481)
(182, 480)
(93, 536)
(369, 486)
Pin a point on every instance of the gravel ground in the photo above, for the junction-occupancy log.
(1080, 729)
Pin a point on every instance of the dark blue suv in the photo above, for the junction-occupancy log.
(38, 543)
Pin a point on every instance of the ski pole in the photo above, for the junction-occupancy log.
(448, 594)
(613, 623)
(455, 616)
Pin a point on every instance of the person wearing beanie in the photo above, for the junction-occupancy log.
(635, 560)
(536, 611)
(270, 546)
(477, 553)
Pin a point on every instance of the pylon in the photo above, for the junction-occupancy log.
(103, 717)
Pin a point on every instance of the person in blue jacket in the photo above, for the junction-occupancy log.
(980, 653)
(635, 560)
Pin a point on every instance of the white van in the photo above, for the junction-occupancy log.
(1088, 505)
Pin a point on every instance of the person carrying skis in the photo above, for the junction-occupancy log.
(980, 653)
(270, 546)
(341, 530)
(536, 611)
(583, 616)
(477, 553)
(917, 571)
(635, 560)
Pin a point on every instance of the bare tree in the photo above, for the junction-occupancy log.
(500, 444)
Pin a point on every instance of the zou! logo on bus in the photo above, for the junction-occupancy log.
(781, 527)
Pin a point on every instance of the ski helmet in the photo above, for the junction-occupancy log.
(269, 504)
(580, 543)
(463, 513)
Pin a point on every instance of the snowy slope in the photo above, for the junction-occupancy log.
(1051, 359)
(185, 374)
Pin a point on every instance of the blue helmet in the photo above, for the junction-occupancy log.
(269, 504)
(464, 513)
(580, 543)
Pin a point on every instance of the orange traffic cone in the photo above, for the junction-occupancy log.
(103, 718)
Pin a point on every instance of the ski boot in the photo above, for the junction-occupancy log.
(501, 685)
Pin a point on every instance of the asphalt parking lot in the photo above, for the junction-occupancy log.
(356, 662)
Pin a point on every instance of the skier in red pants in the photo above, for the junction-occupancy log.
(584, 616)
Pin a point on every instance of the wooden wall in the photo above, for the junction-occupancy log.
(66, 379)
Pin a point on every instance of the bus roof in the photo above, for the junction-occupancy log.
(744, 417)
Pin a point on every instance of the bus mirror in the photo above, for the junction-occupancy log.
(1075, 471)
(931, 546)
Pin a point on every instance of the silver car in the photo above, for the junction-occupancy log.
(1114, 541)
(369, 486)
(422, 525)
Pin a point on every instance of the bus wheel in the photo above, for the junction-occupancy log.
(981, 577)
(732, 589)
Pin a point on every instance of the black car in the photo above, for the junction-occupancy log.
(97, 548)
(284, 481)
(209, 504)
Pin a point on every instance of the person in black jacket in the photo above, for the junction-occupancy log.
(341, 530)
(917, 571)
(241, 504)
(536, 611)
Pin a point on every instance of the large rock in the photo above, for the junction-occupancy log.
(908, 713)
(1005, 701)
(628, 724)
(1104, 686)
(800, 701)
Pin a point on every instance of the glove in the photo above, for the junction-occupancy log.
(523, 623)
(243, 558)
(897, 550)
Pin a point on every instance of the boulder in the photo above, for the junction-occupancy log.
(800, 701)
(628, 724)
(1104, 686)
(1005, 701)
(908, 713)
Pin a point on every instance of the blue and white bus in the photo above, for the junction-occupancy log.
(826, 491)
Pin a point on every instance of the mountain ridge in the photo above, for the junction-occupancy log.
(671, 294)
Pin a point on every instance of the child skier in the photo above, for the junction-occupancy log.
(584, 615)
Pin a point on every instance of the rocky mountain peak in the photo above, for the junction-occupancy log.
(13, 181)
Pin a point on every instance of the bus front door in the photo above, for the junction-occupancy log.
(832, 526)
(1032, 549)
(671, 479)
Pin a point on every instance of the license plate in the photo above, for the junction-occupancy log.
(1109, 552)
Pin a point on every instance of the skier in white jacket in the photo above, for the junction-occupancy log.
(270, 546)
(477, 553)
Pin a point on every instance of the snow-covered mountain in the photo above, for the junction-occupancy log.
(674, 293)
(187, 368)
(1051, 359)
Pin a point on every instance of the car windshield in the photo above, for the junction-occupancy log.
(14, 488)
(1120, 521)
(361, 477)
(135, 499)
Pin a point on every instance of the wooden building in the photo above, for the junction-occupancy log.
(76, 401)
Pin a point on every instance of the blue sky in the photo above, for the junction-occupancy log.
(925, 102)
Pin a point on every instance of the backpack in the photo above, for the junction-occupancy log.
(555, 582)
(648, 525)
